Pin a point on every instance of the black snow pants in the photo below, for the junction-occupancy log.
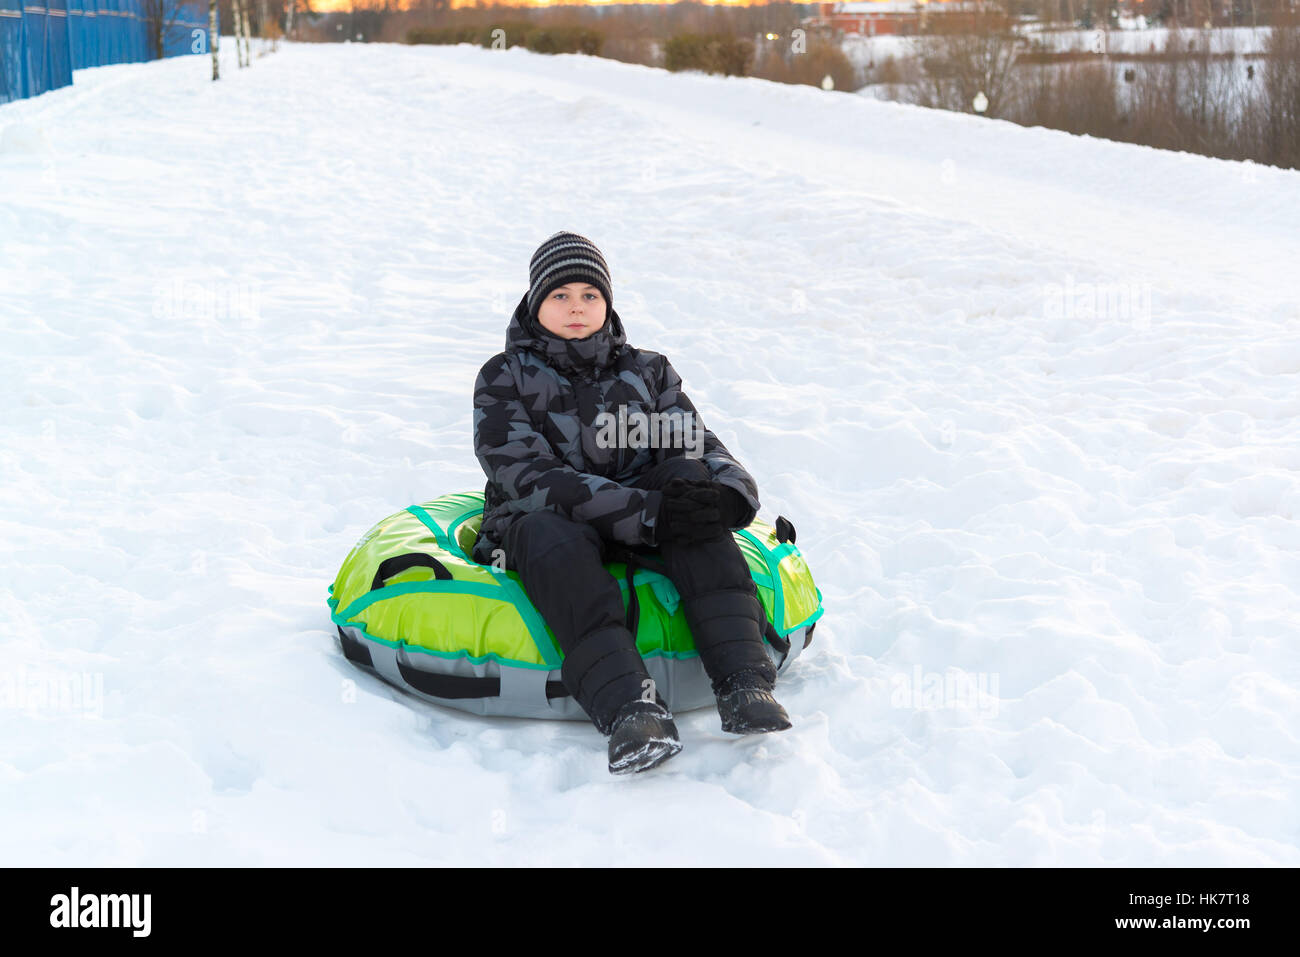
(561, 567)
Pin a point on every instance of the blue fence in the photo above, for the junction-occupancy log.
(43, 41)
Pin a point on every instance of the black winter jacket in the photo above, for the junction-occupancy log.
(537, 432)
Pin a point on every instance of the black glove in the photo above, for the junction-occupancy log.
(733, 507)
(688, 512)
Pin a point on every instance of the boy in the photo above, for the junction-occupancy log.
(566, 493)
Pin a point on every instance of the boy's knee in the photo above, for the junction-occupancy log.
(545, 524)
(539, 533)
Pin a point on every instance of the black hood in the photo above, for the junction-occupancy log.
(592, 354)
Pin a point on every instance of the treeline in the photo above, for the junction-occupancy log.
(561, 38)
(1188, 96)
(1095, 13)
(713, 53)
(761, 40)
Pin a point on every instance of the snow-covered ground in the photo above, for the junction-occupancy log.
(1031, 401)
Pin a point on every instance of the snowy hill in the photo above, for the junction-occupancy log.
(1030, 399)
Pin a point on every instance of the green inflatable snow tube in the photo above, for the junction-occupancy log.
(413, 607)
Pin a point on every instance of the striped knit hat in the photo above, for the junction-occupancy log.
(564, 258)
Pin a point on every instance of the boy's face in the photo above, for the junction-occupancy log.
(574, 311)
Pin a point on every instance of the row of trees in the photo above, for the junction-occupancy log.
(240, 19)
(561, 38)
(759, 41)
(632, 32)
(1189, 96)
(1187, 12)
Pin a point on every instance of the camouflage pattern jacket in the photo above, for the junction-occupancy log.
(543, 419)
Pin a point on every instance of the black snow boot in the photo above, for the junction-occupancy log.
(746, 705)
(643, 736)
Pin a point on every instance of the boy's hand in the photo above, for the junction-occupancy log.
(732, 506)
(688, 511)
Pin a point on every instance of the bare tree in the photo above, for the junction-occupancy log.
(961, 60)
(1282, 92)
(214, 38)
(160, 18)
(241, 32)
